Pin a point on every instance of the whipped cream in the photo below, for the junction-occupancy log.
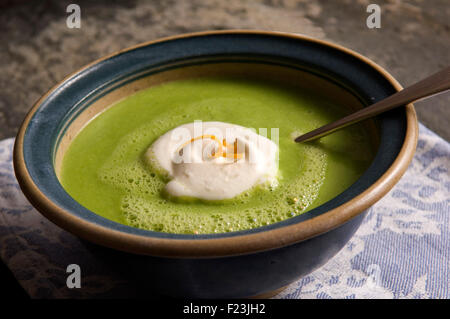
(214, 160)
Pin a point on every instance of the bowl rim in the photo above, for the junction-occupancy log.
(226, 246)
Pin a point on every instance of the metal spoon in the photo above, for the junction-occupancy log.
(436, 83)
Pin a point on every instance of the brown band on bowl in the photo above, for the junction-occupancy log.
(227, 246)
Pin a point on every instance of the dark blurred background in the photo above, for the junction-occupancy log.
(37, 49)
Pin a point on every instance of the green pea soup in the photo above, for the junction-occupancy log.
(105, 170)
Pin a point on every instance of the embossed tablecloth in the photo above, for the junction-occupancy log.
(402, 249)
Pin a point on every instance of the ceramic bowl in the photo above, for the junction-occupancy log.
(246, 263)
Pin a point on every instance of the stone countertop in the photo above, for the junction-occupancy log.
(37, 49)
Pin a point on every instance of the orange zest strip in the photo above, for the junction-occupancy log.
(230, 150)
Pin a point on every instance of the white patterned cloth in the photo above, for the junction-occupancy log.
(402, 249)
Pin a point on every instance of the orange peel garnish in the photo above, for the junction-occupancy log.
(229, 152)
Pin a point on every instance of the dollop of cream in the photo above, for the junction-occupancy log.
(214, 160)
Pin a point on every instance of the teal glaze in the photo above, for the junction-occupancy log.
(214, 277)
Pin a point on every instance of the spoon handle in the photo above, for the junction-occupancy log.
(431, 85)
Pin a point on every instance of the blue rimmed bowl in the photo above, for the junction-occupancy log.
(253, 262)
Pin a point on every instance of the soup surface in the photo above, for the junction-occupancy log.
(105, 167)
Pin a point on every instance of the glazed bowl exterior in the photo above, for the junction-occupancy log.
(236, 264)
